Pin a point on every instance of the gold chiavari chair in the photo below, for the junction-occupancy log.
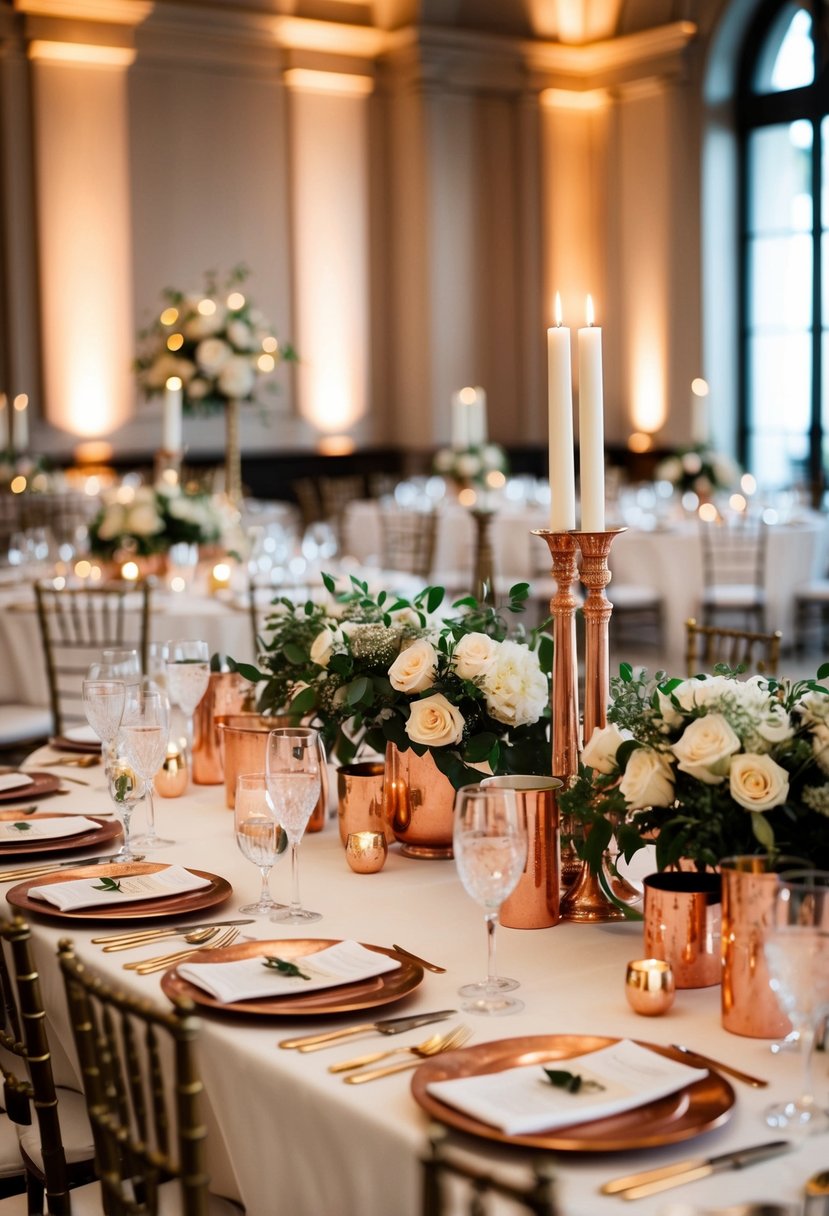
(440, 1167)
(407, 540)
(56, 1148)
(76, 623)
(143, 1095)
(734, 570)
(707, 645)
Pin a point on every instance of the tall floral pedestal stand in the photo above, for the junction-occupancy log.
(233, 452)
(483, 588)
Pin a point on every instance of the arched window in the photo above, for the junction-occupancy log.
(783, 103)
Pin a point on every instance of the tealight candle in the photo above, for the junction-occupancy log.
(649, 986)
(171, 779)
(366, 852)
(219, 577)
(130, 571)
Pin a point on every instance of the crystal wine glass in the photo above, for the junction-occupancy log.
(188, 675)
(125, 789)
(103, 703)
(293, 766)
(490, 847)
(796, 944)
(123, 663)
(259, 837)
(145, 729)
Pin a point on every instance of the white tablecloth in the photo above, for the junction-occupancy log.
(287, 1137)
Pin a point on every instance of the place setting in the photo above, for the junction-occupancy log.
(25, 834)
(23, 787)
(82, 740)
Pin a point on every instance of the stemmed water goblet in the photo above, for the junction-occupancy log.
(293, 768)
(796, 946)
(490, 847)
(188, 675)
(259, 837)
(125, 789)
(145, 729)
(103, 703)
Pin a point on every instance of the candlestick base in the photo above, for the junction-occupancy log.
(167, 467)
(586, 902)
(484, 589)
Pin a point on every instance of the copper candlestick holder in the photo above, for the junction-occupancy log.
(484, 565)
(563, 548)
(167, 466)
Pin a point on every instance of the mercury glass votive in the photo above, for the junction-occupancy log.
(366, 852)
(649, 986)
(171, 779)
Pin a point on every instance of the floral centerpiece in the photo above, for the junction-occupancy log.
(699, 468)
(472, 464)
(707, 768)
(370, 670)
(149, 519)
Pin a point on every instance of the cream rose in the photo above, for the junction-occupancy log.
(599, 752)
(758, 783)
(211, 355)
(704, 748)
(237, 377)
(435, 722)
(144, 520)
(474, 655)
(515, 687)
(648, 779)
(820, 746)
(322, 647)
(415, 668)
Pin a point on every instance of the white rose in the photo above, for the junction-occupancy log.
(820, 746)
(493, 456)
(112, 524)
(599, 752)
(160, 370)
(758, 783)
(775, 725)
(648, 779)
(704, 748)
(467, 465)
(237, 377)
(669, 470)
(322, 647)
(515, 687)
(211, 355)
(143, 520)
(435, 722)
(239, 333)
(444, 459)
(474, 655)
(197, 388)
(203, 326)
(814, 706)
(415, 668)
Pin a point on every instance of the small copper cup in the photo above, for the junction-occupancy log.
(171, 779)
(360, 806)
(649, 986)
(366, 852)
(534, 904)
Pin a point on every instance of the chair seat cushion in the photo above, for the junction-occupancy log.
(633, 595)
(734, 595)
(86, 1201)
(21, 722)
(78, 1144)
(817, 592)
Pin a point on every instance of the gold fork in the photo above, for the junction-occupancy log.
(162, 961)
(419, 1049)
(448, 1042)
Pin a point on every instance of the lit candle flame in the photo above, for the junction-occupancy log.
(558, 309)
(588, 308)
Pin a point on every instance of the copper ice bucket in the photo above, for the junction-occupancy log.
(534, 904)
(227, 693)
(244, 743)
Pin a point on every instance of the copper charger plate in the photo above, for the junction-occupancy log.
(364, 994)
(172, 905)
(690, 1111)
(108, 829)
(40, 785)
(87, 747)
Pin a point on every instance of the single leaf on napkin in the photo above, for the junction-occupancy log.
(521, 1101)
(247, 979)
(13, 781)
(86, 893)
(13, 832)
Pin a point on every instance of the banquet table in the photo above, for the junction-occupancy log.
(287, 1138)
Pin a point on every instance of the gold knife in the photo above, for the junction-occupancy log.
(650, 1182)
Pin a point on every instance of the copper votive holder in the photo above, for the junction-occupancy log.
(366, 852)
(649, 986)
(171, 779)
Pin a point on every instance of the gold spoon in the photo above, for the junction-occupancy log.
(195, 935)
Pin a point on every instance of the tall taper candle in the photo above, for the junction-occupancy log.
(171, 433)
(591, 425)
(560, 413)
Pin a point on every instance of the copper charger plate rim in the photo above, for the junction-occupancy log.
(148, 909)
(698, 1108)
(365, 994)
(40, 786)
(108, 829)
(61, 743)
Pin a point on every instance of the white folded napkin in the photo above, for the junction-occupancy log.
(249, 978)
(521, 1101)
(22, 830)
(81, 734)
(13, 781)
(87, 893)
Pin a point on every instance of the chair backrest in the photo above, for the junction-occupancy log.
(536, 1196)
(734, 551)
(23, 1034)
(407, 540)
(76, 623)
(143, 1093)
(709, 644)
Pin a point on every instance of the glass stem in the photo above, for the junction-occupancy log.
(296, 905)
(188, 731)
(265, 898)
(126, 816)
(148, 794)
(807, 1046)
(491, 926)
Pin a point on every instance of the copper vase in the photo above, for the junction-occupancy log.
(749, 885)
(244, 744)
(360, 805)
(534, 904)
(227, 693)
(683, 925)
(419, 803)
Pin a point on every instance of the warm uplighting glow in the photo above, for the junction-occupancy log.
(468, 396)
(235, 301)
(271, 345)
(177, 583)
(169, 316)
(18, 484)
(94, 451)
(175, 342)
(336, 445)
(129, 571)
(345, 83)
(737, 502)
(571, 99)
(467, 497)
(639, 441)
(174, 383)
(557, 309)
(495, 479)
(266, 363)
(207, 307)
(708, 513)
(748, 484)
(83, 568)
(589, 311)
(700, 387)
(81, 53)
(20, 402)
